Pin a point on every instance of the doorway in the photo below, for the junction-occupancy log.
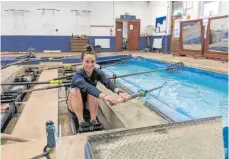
(177, 9)
(127, 34)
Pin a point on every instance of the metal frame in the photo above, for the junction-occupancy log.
(79, 12)
(214, 54)
(194, 53)
(76, 11)
(82, 13)
(162, 128)
(48, 9)
(21, 11)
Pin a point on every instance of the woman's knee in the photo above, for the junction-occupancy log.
(75, 92)
(93, 99)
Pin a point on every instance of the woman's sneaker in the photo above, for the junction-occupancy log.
(83, 124)
(94, 125)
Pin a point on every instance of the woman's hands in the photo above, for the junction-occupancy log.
(124, 96)
(112, 99)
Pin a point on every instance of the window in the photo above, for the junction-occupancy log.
(210, 8)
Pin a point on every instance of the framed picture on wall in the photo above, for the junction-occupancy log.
(191, 38)
(217, 38)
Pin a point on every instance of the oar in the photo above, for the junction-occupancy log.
(24, 61)
(26, 56)
(69, 66)
(66, 66)
(14, 63)
(12, 101)
(180, 110)
(39, 89)
(51, 58)
(174, 68)
(38, 60)
(141, 93)
(37, 82)
(122, 61)
(63, 77)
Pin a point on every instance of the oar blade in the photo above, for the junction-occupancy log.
(175, 68)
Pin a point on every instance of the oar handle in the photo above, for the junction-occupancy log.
(141, 93)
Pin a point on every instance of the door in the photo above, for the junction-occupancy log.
(133, 36)
(175, 39)
(118, 36)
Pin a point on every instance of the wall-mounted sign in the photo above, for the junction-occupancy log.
(160, 24)
(127, 16)
(131, 27)
(119, 29)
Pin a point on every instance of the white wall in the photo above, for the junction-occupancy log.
(102, 13)
(34, 23)
(159, 9)
(224, 9)
(140, 9)
(196, 11)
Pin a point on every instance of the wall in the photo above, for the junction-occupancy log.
(52, 32)
(196, 11)
(224, 8)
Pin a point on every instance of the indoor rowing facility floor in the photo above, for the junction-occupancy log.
(131, 128)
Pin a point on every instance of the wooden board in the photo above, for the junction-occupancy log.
(41, 107)
(72, 147)
(8, 74)
(22, 150)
